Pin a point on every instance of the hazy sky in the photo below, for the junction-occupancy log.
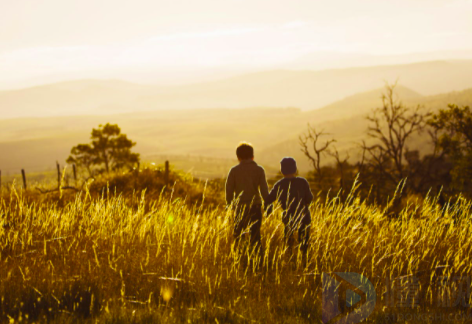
(40, 40)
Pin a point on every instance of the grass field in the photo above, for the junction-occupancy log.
(168, 255)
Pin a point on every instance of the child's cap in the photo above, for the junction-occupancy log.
(288, 165)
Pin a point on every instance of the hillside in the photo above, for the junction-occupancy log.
(360, 103)
(36, 143)
(345, 121)
(71, 98)
(306, 90)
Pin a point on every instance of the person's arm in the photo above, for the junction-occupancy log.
(264, 188)
(230, 187)
(271, 198)
(308, 194)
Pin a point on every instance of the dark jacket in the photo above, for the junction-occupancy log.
(247, 181)
(294, 195)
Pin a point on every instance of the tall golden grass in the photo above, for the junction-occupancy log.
(119, 258)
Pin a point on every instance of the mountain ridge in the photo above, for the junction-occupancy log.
(206, 132)
(305, 89)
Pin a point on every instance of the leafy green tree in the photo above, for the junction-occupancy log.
(109, 148)
(454, 128)
(82, 155)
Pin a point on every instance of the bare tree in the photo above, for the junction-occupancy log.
(361, 164)
(313, 149)
(392, 126)
(341, 164)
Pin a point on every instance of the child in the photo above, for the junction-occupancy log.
(295, 196)
(246, 183)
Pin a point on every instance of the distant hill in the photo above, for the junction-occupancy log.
(329, 60)
(359, 103)
(306, 90)
(36, 143)
(346, 121)
(71, 98)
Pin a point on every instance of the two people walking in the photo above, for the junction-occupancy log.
(247, 193)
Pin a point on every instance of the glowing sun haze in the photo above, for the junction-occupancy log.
(174, 41)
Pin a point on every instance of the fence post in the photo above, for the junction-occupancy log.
(24, 178)
(75, 174)
(58, 175)
(166, 174)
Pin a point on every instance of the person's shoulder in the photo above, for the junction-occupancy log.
(303, 180)
(278, 185)
(257, 164)
(259, 167)
(280, 182)
(234, 167)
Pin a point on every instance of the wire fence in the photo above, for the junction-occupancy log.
(24, 177)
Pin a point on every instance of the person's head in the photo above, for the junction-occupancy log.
(245, 151)
(288, 167)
